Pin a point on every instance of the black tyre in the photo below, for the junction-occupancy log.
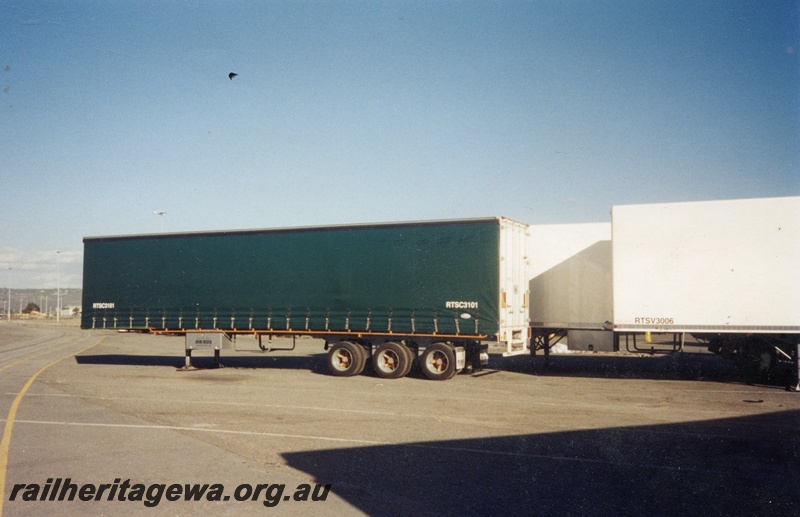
(412, 358)
(346, 359)
(438, 362)
(391, 360)
(764, 362)
(756, 360)
(363, 357)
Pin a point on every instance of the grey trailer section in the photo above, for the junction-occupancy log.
(570, 282)
(571, 287)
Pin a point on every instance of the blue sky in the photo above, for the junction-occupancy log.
(346, 112)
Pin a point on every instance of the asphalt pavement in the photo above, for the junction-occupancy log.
(596, 434)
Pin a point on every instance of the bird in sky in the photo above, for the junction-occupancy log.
(232, 75)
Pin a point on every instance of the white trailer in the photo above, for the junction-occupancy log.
(716, 266)
(727, 272)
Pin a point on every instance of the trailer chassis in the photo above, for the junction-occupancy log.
(756, 354)
(392, 356)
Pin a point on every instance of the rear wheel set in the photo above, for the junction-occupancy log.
(393, 360)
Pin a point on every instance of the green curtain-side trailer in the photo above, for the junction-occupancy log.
(416, 284)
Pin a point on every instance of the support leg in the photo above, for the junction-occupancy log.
(541, 340)
(796, 373)
(188, 364)
(546, 351)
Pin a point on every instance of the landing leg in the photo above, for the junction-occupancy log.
(796, 386)
(547, 351)
(188, 365)
(541, 341)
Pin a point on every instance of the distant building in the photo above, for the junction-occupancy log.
(70, 311)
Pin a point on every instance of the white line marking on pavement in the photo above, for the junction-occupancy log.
(248, 404)
(436, 447)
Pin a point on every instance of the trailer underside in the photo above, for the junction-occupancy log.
(758, 355)
(391, 355)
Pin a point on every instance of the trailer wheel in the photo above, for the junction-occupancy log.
(438, 362)
(346, 359)
(756, 360)
(763, 362)
(391, 360)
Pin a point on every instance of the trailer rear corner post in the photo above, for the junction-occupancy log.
(516, 341)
